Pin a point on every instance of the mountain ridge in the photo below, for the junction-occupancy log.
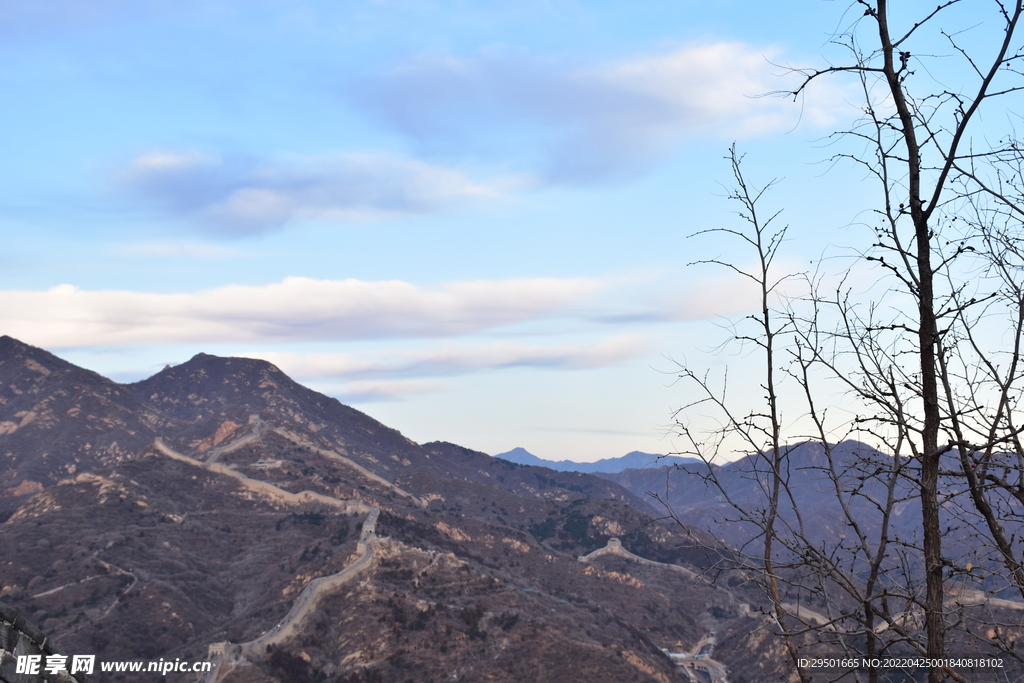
(134, 554)
(631, 460)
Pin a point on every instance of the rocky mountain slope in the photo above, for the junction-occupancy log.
(218, 503)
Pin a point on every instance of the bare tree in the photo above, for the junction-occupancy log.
(931, 354)
(760, 432)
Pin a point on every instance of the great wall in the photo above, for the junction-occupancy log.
(19, 638)
(225, 655)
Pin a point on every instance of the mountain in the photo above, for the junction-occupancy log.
(811, 508)
(632, 460)
(692, 495)
(57, 419)
(220, 509)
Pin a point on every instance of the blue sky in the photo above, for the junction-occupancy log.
(468, 219)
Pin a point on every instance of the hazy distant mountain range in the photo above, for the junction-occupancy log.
(634, 460)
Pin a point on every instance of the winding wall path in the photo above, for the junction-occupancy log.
(224, 655)
(614, 547)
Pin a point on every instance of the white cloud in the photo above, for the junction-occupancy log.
(376, 391)
(453, 359)
(538, 122)
(294, 309)
(719, 87)
(239, 196)
(585, 124)
(376, 375)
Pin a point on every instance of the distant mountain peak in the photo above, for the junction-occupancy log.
(519, 451)
(632, 460)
